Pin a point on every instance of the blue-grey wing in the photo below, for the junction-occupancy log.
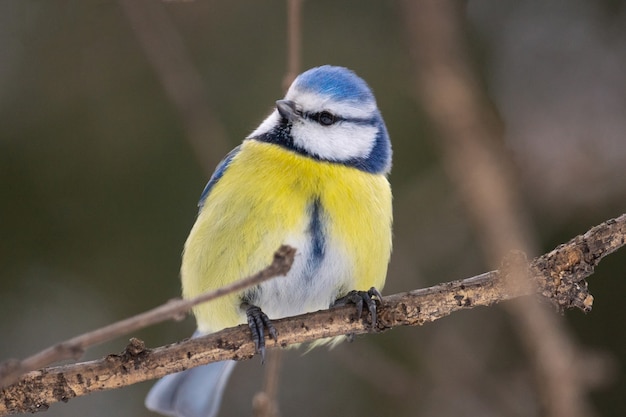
(219, 172)
(196, 392)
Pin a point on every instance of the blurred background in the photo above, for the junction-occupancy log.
(113, 115)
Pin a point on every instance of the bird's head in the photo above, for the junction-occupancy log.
(329, 113)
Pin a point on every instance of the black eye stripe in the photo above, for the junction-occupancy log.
(353, 120)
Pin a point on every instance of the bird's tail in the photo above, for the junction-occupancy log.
(196, 392)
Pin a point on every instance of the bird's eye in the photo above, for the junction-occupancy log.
(326, 118)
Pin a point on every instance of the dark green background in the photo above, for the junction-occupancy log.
(98, 187)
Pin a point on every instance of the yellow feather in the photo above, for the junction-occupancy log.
(262, 200)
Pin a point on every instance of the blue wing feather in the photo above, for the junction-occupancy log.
(219, 172)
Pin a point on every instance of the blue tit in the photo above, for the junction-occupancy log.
(313, 176)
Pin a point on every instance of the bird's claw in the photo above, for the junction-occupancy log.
(258, 322)
(361, 298)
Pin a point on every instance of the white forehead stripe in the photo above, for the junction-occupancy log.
(348, 109)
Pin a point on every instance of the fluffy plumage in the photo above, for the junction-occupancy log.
(312, 175)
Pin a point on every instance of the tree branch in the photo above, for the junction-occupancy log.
(173, 309)
(558, 275)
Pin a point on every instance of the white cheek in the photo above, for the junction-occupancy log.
(339, 142)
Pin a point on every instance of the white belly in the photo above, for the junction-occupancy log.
(309, 286)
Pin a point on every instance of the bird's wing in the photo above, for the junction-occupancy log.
(219, 172)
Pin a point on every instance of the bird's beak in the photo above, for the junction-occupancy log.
(287, 109)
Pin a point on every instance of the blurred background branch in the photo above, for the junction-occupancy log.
(166, 52)
(471, 138)
(294, 42)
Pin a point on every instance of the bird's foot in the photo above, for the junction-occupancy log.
(258, 322)
(361, 298)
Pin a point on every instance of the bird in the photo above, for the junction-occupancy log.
(312, 175)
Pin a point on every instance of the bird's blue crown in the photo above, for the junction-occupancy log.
(339, 83)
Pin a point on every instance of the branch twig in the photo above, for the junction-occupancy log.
(74, 348)
(559, 276)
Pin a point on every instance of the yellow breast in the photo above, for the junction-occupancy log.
(264, 200)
